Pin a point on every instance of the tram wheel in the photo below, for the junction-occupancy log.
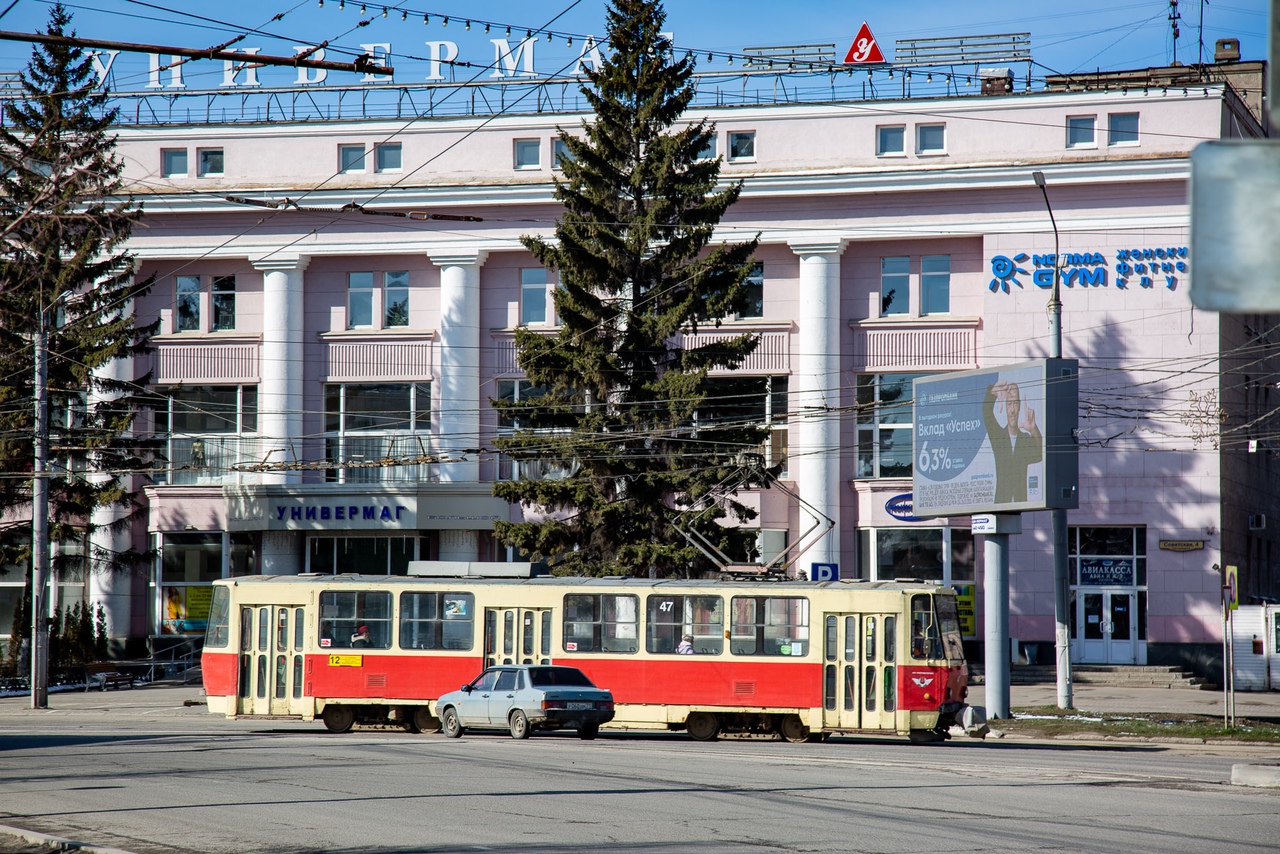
(450, 724)
(338, 718)
(520, 725)
(793, 730)
(421, 720)
(702, 726)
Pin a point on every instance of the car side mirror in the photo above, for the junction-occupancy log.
(466, 689)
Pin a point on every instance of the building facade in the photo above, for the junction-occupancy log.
(328, 351)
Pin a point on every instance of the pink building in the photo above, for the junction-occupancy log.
(898, 237)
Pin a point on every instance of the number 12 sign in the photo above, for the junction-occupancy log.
(864, 50)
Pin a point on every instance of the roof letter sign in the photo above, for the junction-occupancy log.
(864, 50)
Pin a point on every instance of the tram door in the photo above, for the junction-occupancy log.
(517, 636)
(270, 670)
(842, 672)
(879, 671)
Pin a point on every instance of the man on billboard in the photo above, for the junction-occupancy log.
(1016, 442)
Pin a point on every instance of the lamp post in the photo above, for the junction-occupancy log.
(1061, 580)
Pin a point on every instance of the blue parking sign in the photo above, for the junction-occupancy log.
(824, 572)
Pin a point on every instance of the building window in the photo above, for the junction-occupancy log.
(742, 145)
(884, 425)
(1080, 131)
(528, 153)
(210, 162)
(534, 295)
(601, 622)
(560, 153)
(769, 625)
(206, 431)
(350, 158)
(895, 285)
(365, 424)
(173, 162)
(935, 284)
(733, 402)
(530, 469)
(359, 300)
(711, 150)
(387, 157)
(753, 304)
(943, 555)
(223, 299)
(395, 299)
(931, 139)
(187, 303)
(891, 140)
(1122, 129)
(363, 555)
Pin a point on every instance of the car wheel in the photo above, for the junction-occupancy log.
(793, 730)
(338, 718)
(702, 726)
(588, 731)
(450, 724)
(520, 725)
(422, 720)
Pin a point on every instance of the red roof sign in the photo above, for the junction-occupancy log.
(864, 49)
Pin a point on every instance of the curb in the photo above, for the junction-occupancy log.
(57, 843)
(1259, 776)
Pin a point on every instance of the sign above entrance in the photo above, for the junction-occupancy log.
(864, 50)
(1106, 572)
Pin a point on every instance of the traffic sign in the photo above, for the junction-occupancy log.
(864, 50)
(1231, 588)
(824, 572)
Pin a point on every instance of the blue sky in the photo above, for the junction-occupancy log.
(1065, 37)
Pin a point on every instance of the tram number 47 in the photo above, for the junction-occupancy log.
(346, 661)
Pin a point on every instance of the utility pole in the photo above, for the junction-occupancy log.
(40, 522)
(1061, 577)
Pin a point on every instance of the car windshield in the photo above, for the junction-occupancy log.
(569, 677)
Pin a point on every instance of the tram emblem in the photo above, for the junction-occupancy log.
(922, 681)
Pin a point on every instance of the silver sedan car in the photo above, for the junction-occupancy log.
(526, 697)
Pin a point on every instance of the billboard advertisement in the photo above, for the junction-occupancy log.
(996, 440)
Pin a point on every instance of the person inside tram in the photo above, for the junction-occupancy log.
(686, 646)
(361, 637)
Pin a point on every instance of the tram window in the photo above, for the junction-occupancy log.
(343, 612)
(829, 689)
(261, 683)
(850, 687)
(869, 688)
(850, 638)
(297, 676)
(546, 633)
(280, 676)
(890, 638)
(264, 627)
(299, 628)
(508, 631)
(948, 620)
(601, 622)
(890, 689)
(832, 642)
(218, 633)
(770, 625)
(670, 618)
(870, 644)
(926, 639)
(437, 620)
(282, 630)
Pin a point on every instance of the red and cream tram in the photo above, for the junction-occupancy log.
(794, 657)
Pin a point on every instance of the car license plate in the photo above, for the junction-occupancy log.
(578, 706)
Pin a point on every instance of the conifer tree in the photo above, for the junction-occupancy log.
(616, 403)
(64, 219)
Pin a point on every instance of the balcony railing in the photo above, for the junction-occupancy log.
(378, 458)
(207, 459)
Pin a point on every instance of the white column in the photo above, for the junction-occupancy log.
(458, 385)
(815, 419)
(112, 590)
(280, 364)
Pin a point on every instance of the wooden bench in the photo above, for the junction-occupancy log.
(105, 674)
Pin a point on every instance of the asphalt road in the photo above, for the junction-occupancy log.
(152, 776)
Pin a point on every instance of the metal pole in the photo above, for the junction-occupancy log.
(995, 581)
(1061, 576)
(40, 525)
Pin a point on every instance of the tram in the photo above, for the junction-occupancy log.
(797, 658)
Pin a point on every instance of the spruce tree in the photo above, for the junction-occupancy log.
(64, 220)
(621, 409)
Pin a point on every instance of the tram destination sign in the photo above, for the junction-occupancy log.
(996, 440)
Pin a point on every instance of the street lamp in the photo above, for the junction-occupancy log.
(1061, 581)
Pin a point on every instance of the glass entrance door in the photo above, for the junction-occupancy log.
(1107, 626)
